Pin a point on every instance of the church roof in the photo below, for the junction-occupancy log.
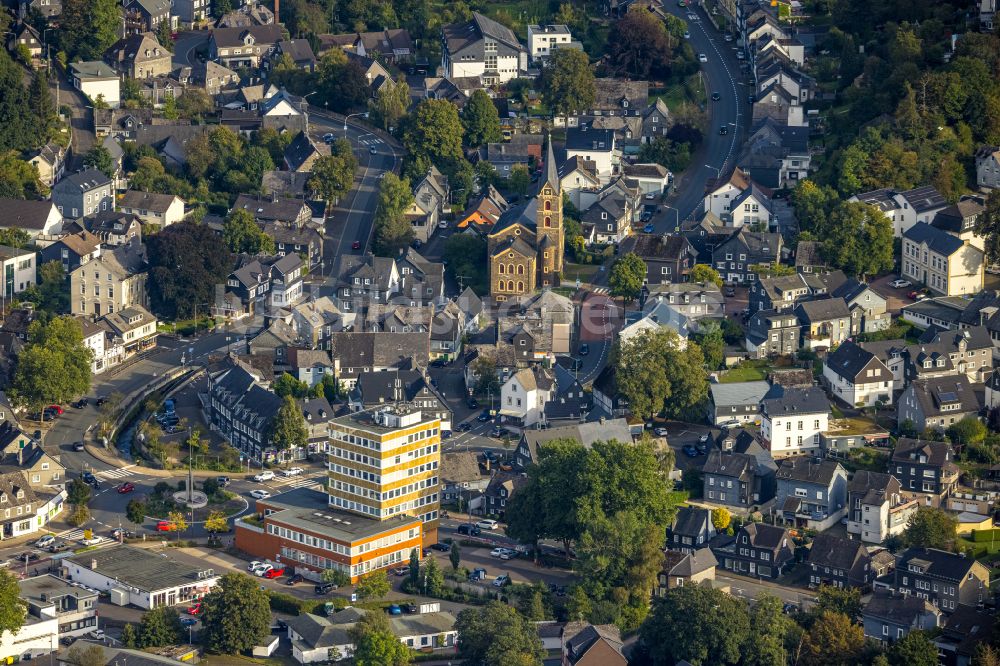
(551, 168)
(518, 245)
(523, 214)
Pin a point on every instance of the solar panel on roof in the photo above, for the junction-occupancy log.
(948, 396)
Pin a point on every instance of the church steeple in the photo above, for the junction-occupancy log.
(551, 170)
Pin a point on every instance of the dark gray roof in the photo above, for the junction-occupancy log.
(689, 564)
(937, 453)
(368, 349)
(140, 568)
(823, 309)
(82, 181)
(766, 536)
(736, 465)
(835, 552)
(262, 34)
(806, 469)
(738, 393)
(850, 359)
(940, 242)
(692, 520)
(924, 198)
(781, 400)
(589, 139)
(898, 609)
(933, 392)
(937, 563)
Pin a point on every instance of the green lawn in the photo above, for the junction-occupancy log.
(747, 371)
(581, 272)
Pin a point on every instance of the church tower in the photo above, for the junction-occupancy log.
(549, 224)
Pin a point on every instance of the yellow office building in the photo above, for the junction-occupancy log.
(385, 463)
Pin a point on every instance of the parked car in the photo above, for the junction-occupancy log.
(329, 138)
(900, 283)
(471, 530)
(660, 432)
(266, 475)
(274, 573)
(188, 621)
(400, 571)
(164, 526)
(293, 471)
(97, 634)
(730, 292)
(690, 450)
(472, 403)
(81, 403)
(702, 448)
(484, 416)
(411, 608)
(254, 564)
(704, 438)
(324, 588)
(194, 610)
(55, 408)
(393, 609)
(223, 481)
(259, 494)
(501, 580)
(917, 295)
(443, 547)
(487, 524)
(297, 578)
(446, 434)
(120, 533)
(78, 446)
(45, 541)
(262, 569)
(58, 547)
(126, 487)
(497, 552)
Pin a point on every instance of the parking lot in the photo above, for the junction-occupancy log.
(681, 435)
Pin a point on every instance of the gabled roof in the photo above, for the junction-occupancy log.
(82, 181)
(738, 393)
(692, 521)
(934, 392)
(781, 401)
(824, 309)
(158, 203)
(937, 563)
(262, 34)
(850, 359)
(908, 450)
(806, 469)
(902, 609)
(767, 536)
(835, 552)
(937, 240)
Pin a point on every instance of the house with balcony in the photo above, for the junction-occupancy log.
(543, 40)
(937, 402)
(947, 580)
(792, 420)
(482, 47)
(857, 376)
(946, 264)
(889, 617)
(811, 492)
(967, 352)
(758, 550)
(841, 563)
(244, 46)
(926, 470)
(826, 322)
(273, 282)
(877, 507)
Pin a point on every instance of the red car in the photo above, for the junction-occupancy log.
(55, 408)
(164, 526)
(274, 573)
(194, 610)
(126, 488)
(356, 245)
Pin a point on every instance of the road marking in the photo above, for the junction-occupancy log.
(116, 473)
(77, 535)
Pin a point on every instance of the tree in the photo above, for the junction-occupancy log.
(92, 655)
(700, 624)
(413, 575)
(480, 120)
(160, 627)
(375, 644)
(578, 606)
(51, 294)
(389, 104)
(186, 262)
(497, 634)
(19, 179)
(969, 430)
(286, 385)
(860, 239)
(721, 518)
(833, 640)
(914, 649)
(236, 615)
(216, 523)
(846, 601)
(931, 527)
(640, 46)
(54, 367)
(464, 254)
(712, 343)
(986, 655)
(455, 555)
(129, 638)
(657, 374)
(89, 27)
(374, 586)
(43, 105)
(243, 235)
(433, 579)
(194, 104)
(13, 609)
(567, 82)
(336, 576)
(703, 273)
(288, 430)
(17, 132)
(813, 204)
(532, 604)
(433, 133)
(519, 179)
(333, 174)
(774, 630)
(674, 155)
(99, 158)
(135, 511)
(342, 84)
(627, 276)
(177, 522)
(771, 270)
(392, 231)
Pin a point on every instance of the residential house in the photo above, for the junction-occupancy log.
(838, 562)
(483, 212)
(302, 239)
(808, 257)
(300, 53)
(500, 489)
(905, 209)
(243, 47)
(50, 160)
(309, 365)
(721, 194)
(692, 567)
(83, 194)
(543, 40)
(128, 331)
(147, 15)
(596, 146)
(527, 450)
(194, 12)
(356, 352)
(578, 178)
(656, 315)
(889, 617)
(733, 257)
(877, 508)
(447, 331)
(947, 580)
(110, 283)
(651, 178)
(694, 300)
(240, 408)
(773, 333)
(288, 211)
(115, 228)
(72, 250)
(966, 629)
(366, 279)
(393, 46)
(925, 469)
(759, 550)
(210, 76)
(461, 477)
(611, 219)
(482, 47)
(857, 376)
(736, 403)
(275, 282)
(988, 164)
(655, 121)
(783, 293)
(668, 258)
(937, 402)
(160, 210)
(26, 510)
(420, 280)
(946, 264)
(868, 308)
(431, 202)
(960, 218)
(25, 35)
(774, 102)
(692, 529)
(314, 320)
(811, 492)
(792, 420)
(523, 397)
(592, 645)
(736, 480)
(938, 353)
(797, 83)
(22, 454)
(825, 322)
(96, 80)
(618, 97)
(139, 56)
(987, 14)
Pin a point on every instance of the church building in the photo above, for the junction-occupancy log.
(526, 243)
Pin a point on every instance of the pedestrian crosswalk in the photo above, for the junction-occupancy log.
(115, 473)
(600, 290)
(292, 483)
(76, 535)
(370, 141)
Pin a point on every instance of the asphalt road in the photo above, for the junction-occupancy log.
(186, 45)
(723, 75)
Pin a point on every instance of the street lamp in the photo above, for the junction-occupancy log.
(351, 115)
(718, 172)
(677, 217)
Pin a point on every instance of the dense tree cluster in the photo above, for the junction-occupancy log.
(659, 373)
(54, 367)
(186, 262)
(392, 230)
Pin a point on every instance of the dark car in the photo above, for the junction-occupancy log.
(78, 446)
(471, 530)
(584, 350)
(723, 130)
(716, 96)
(730, 292)
(690, 450)
(88, 478)
(100, 401)
(702, 448)
(411, 608)
(297, 578)
(446, 434)
(58, 547)
(81, 403)
(484, 416)
(472, 403)
(497, 432)
(443, 547)
(356, 245)
(464, 427)
(325, 588)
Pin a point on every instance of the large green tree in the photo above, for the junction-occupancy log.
(627, 276)
(480, 120)
(464, 254)
(243, 235)
(236, 615)
(640, 45)
(859, 240)
(833, 640)
(774, 631)
(160, 627)
(43, 104)
(54, 367)
(186, 262)
(702, 625)
(567, 83)
(13, 609)
(287, 429)
(914, 649)
(988, 226)
(389, 103)
(657, 372)
(19, 179)
(392, 230)
(333, 174)
(374, 585)
(375, 644)
(89, 27)
(497, 634)
(931, 527)
(432, 134)
(18, 131)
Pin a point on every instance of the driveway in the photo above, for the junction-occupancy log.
(895, 298)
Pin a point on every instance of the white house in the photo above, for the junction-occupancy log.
(792, 419)
(55, 609)
(482, 47)
(904, 209)
(159, 209)
(650, 178)
(17, 268)
(523, 397)
(38, 218)
(857, 376)
(719, 200)
(948, 265)
(544, 39)
(139, 577)
(96, 79)
(597, 146)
